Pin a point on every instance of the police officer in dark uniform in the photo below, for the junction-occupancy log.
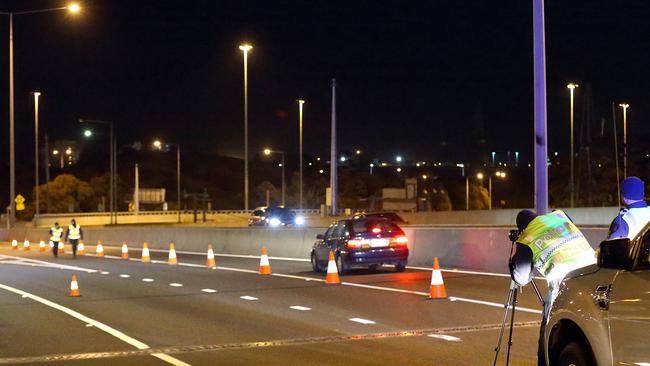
(636, 213)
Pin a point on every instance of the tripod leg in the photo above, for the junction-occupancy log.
(539, 294)
(512, 323)
(506, 307)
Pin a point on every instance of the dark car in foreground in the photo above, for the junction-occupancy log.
(361, 243)
(274, 217)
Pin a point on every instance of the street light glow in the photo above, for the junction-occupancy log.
(624, 105)
(479, 175)
(245, 47)
(55, 152)
(74, 8)
(343, 159)
(267, 151)
(88, 133)
(358, 152)
(399, 170)
(572, 85)
(157, 144)
(68, 151)
(424, 176)
(398, 158)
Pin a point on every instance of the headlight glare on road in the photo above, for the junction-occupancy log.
(300, 220)
(274, 222)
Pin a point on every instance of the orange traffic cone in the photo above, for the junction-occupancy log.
(145, 253)
(81, 248)
(14, 244)
(210, 262)
(172, 254)
(265, 267)
(61, 247)
(99, 251)
(26, 244)
(125, 251)
(74, 287)
(332, 272)
(41, 246)
(438, 290)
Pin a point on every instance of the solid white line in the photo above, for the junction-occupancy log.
(112, 331)
(493, 304)
(299, 308)
(445, 337)
(249, 298)
(35, 262)
(362, 321)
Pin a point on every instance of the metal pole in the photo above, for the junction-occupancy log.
(36, 154)
(178, 180)
(246, 130)
(300, 103)
(572, 185)
(112, 174)
(12, 157)
(624, 141)
(539, 61)
(283, 181)
(490, 192)
(618, 171)
(467, 193)
(47, 174)
(333, 162)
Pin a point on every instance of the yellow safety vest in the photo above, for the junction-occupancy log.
(74, 232)
(56, 233)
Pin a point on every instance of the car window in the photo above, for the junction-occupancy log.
(339, 230)
(258, 213)
(362, 226)
(329, 232)
(644, 256)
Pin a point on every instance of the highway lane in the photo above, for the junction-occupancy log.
(185, 316)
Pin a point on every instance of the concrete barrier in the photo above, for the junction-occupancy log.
(485, 248)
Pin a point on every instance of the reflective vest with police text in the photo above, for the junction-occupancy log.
(558, 245)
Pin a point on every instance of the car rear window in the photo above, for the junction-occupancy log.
(364, 226)
(388, 215)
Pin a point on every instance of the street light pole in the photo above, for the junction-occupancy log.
(245, 48)
(300, 106)
(178, 180)
(269, 152)
(625, 106)
(540, 141)
(36, 154)
(73, 8)
(467, 193)
(572, 87)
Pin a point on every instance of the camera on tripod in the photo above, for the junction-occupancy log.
(513, 235)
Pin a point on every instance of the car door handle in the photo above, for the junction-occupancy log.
(601, 296)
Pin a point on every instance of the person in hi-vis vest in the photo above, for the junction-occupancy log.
(73, 235)
(56, 234)
(554, 246)
(635, 215)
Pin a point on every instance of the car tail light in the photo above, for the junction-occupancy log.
(399, 241)
(358, 243)
(376, 230)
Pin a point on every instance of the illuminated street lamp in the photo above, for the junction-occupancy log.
(269, 152)
(88, 133)
(72, 8)
(158, 145)
(300, 107)
(498, 174)
(36, 154)
(571, 87)
(625, 106)
(398, 159)
(245, 48)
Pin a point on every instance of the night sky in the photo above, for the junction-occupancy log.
(412, 75)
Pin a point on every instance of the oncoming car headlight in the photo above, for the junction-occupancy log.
(300, 220)
(274, 221)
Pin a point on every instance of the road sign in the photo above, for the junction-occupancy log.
(20, 202)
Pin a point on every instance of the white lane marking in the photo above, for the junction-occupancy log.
(463, 271)
(174, 284)
(380, 288)
(105, 272)
(445, 337)
(125, 275)
(89, 325)
(249, 298)
(147, 280)
(36, 262)
(299, 308)
(493, 304)
(112, 331)
(203, 254)
(362, 321)
(209, 290)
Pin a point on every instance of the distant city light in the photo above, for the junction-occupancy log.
(321, 171)
(280, 165)
(399, 170)
(74, 8)
(342, 159)
(267, 151)
(372, 165)
(88, 133)
(398, 159)
(358, 152)
(479, 175)
(317, 159)
(55, 152)
(555, 153)
(157, 144)
(383, 164)
(424, 176)
(68, 151)
(417, 165)
(309, 164)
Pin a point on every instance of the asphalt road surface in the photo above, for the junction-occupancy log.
(133, 313)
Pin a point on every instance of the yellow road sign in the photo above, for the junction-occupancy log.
(20, 206)
(19, 199)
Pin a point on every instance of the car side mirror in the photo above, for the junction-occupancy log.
(320, 236)
(615, 254)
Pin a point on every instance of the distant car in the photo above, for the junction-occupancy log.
(602, 313)
(367, 242)
(274, 217)
(392, 216)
